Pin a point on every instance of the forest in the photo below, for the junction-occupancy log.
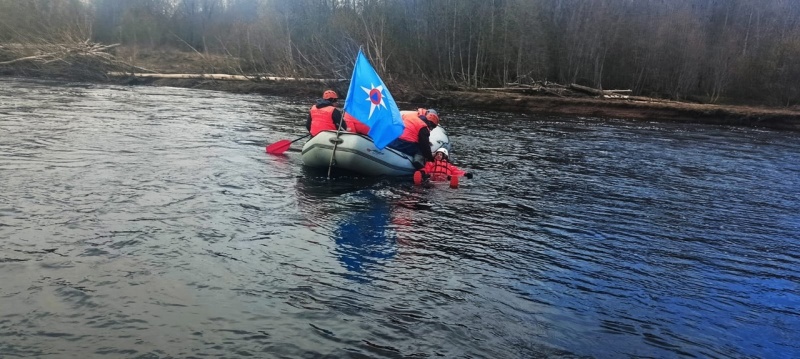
(713, 51)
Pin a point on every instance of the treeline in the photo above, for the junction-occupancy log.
(743, 51)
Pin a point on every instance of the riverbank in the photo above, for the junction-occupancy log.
(174, 63)
(655, 110)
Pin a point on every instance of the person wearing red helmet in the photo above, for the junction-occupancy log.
(430, 116)
(324, 115)
(415, 139)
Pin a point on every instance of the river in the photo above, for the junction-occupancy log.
(147, 222)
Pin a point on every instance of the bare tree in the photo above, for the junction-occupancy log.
(735, 50)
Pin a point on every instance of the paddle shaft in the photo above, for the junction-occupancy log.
(298, 139)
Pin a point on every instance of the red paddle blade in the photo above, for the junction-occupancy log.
(279, 147)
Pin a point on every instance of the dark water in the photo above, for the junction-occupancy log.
(149, 222)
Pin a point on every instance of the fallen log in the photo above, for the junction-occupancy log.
(26, 58)
(597, 92)
(588, 90)
(647, 99)
(616, 96)
(226, 77)
(509, 89)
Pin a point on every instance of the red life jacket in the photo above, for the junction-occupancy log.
(439, 170)
(413, 124)
(354, 125)
(322, 119)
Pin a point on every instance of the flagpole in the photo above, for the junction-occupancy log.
(339, 128)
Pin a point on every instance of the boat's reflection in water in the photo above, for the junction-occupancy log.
(360, 221)
(364, 239)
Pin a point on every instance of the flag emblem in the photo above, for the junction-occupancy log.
(375, 97)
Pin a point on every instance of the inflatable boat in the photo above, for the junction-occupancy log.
(357, 153)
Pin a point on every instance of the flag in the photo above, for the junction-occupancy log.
(369, 101)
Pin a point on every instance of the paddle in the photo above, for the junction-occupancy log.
(282, 145)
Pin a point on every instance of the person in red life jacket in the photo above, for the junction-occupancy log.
(324, 115)
(415, 139)
(440, 169)
(354, 125)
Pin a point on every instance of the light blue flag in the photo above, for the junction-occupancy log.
(369, 101)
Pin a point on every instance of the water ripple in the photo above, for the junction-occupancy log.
(148, 222)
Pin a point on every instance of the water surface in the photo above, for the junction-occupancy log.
(148, 222)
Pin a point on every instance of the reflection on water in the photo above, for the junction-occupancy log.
(148, 222)
(363, 235)
(363, 238)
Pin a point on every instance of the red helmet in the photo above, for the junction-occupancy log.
(433, 116)
(330, 95)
